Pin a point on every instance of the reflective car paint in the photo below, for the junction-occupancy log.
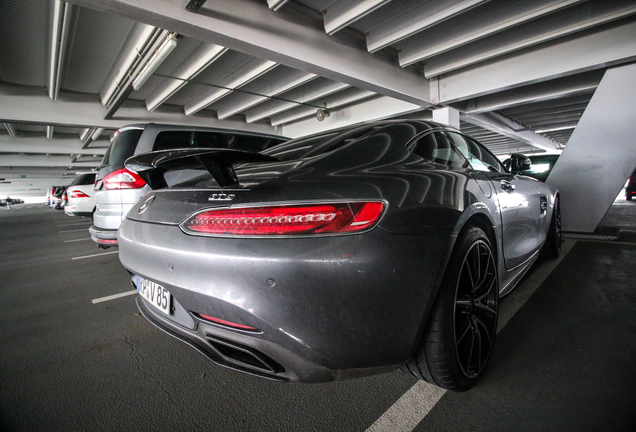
(330, 307)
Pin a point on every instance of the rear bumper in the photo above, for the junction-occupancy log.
(239, 352)
(103, 237)
(326, 309)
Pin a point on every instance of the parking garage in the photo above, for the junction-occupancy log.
(532, 77)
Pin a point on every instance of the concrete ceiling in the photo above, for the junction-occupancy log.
(520, 73)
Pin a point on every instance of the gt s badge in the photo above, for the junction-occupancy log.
(221, 197)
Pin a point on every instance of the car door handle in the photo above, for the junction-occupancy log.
(506, 186)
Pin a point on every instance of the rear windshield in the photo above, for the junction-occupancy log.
(169, 140)
(84, 179)
(122, 147)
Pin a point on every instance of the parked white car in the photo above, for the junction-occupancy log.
(81, 195)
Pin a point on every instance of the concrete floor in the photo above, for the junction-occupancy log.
(565, 362)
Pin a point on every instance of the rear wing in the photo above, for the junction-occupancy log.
(218, 162)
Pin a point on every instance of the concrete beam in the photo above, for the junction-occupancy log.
(372, 109)
(597, 50)
(43, 161)
(559, 88)
(288, 36)
(21, 104)
(512, 129)
(43, 145)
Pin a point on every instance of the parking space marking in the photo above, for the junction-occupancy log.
(82, 239)
(408, 411)
(75, 224)
(95, 255)
(68, 231)
(113, 297)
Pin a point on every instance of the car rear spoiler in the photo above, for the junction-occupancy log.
(219, 163)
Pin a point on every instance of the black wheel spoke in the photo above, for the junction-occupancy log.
(466, 330)
(476, 308)
(483, 329)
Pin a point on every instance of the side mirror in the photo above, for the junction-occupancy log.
(519, 162)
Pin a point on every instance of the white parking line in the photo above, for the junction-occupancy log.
(74, 224)
(113, 297)
(95, 255)
(82, 239)
(405, 414)
(77, 230)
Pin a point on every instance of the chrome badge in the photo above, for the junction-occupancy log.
(146, 204)
(222, 197)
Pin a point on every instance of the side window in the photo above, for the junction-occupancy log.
(479, 158)
(437, 147)
(169, 140)
(122, 147)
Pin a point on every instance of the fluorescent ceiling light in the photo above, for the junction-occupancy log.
(97, 133)
(555, 128)
(276, 4)
(85, 135)
(11, 130)
(159, 56)
(195, 64)
(59, 36)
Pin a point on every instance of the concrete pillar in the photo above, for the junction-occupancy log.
(447, 115)
(601, 154)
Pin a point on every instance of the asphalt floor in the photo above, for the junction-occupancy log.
(566, 361)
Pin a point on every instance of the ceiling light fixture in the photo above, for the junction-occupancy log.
(157, 58)
(322, 114)
(86, 134)
(556, 128)
(11, 130)
(276, 4)
(194, 5)
(59, 37)
(97, 133)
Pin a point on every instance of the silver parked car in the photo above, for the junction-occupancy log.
(81, 195)
(118, 189)
(339, 255)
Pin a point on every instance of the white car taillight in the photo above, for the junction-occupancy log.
(123, 179)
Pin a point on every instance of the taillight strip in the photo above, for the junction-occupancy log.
(282, 220)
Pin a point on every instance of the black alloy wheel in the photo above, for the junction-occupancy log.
(461, 330)
(476, 309)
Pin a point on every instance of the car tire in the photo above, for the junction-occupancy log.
(552, 247)
(462, 325)
(628, 197)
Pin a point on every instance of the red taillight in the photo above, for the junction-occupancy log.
(123, 179)
(287, 220)
(225, 323)
(106, 241)
(78, 194)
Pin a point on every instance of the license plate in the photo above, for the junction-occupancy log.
(156, 295)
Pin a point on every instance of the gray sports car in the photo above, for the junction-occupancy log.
(338, 255)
